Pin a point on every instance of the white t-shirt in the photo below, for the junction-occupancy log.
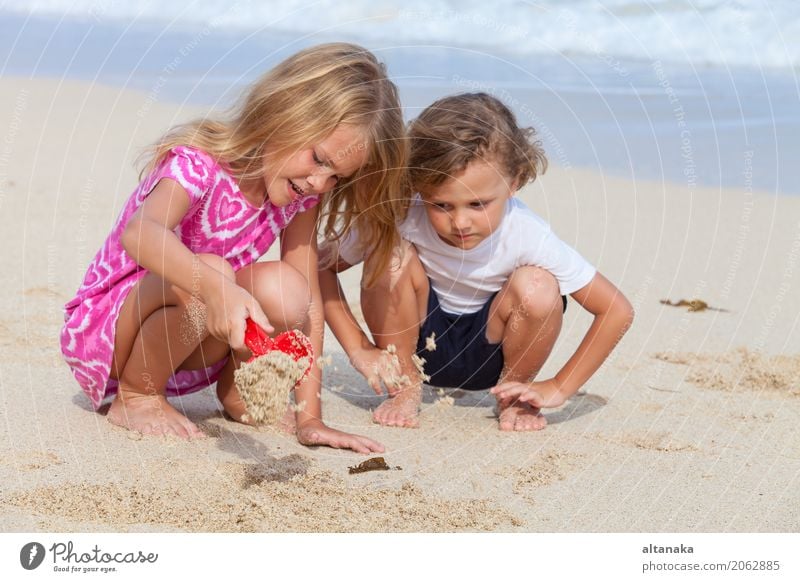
(464, 280)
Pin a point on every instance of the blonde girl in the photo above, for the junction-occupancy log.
(162, 309)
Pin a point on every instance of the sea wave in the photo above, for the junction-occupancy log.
(758, 33)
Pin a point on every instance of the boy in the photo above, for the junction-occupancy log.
(478, 275)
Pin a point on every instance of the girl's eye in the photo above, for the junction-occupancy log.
(317, 160)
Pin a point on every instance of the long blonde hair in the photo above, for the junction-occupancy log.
(303, 100)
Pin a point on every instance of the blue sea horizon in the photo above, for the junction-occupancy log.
(651, 118)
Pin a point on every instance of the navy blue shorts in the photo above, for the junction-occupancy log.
(463, 357)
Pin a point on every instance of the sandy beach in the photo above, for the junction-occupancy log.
(691, 426)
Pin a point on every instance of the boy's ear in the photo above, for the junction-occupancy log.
(515, 186)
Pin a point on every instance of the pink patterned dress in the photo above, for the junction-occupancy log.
(219, 221)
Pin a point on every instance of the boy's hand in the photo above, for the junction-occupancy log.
(378, 366)
(315, 432)
(544, 394)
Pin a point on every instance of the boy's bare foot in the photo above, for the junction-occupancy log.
(401, 410)
(151, 414)
(520, 416)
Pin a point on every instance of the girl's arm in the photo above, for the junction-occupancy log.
(150, 240)
(338, 315)
(613, 316)
(299, 249)
(374, 364)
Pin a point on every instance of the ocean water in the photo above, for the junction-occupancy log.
(699, 92)
(760, 33)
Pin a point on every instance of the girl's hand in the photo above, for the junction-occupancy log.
(314, 432)
(545, 394)
(378, 366)
(227, 311)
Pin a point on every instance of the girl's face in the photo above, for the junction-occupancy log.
(315, 169)
(469, 206)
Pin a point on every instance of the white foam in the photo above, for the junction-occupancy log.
(760, 33)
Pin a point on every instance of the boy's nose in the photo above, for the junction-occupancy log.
(460, 221)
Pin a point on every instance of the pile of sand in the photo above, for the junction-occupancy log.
(284, 496)
(549, 467)
(740, 370)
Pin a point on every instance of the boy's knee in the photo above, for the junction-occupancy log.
(536, 291)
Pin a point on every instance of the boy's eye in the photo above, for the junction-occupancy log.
(476, 205)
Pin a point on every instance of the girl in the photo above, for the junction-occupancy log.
(480, 284)
(163, 306)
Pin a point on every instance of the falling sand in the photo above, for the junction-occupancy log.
(444, 400)
(391, 362)
(419, 364)
(265, 383)
(430, 342)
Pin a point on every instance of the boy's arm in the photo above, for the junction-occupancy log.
(613, 316)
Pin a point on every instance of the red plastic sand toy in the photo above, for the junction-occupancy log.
(293, 343)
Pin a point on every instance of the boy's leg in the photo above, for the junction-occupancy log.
(394, 308)
(284, 296)
(159, 326)
(526, 318)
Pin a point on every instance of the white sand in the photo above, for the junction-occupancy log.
(647, 445)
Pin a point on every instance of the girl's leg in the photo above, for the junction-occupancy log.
(159, 326)
(394, 309)
(283, 293)
(526, 317)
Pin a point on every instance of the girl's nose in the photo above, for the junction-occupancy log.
(322, 181)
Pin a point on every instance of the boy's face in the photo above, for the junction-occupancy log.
(469, 206)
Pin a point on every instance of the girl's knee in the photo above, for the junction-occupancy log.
(281, 290)
(536, 292)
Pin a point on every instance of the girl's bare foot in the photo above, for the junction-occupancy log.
(288, 423)
(151, 414)
(520, 416)
(401, 410)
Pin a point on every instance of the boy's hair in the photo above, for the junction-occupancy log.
(456, 130)
(303, 100)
